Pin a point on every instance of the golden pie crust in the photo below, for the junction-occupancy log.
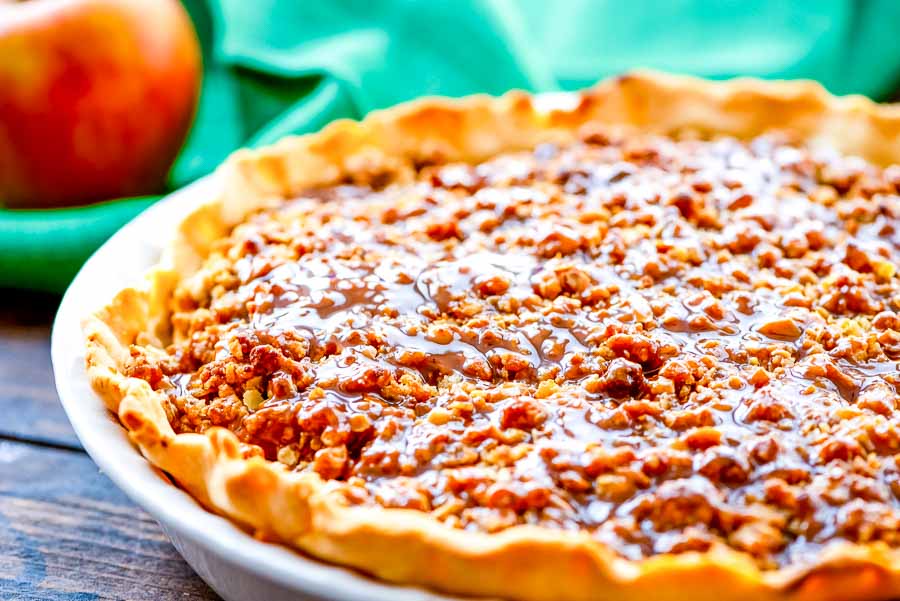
(526, 562)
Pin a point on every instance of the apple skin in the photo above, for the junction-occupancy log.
(96, 98)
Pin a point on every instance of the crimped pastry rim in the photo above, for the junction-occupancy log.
(406, 546)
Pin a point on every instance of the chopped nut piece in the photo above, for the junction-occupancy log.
(757, 538)
(329, 462)
(523, 414)
(702, 438)
(360, 423)
(439, 416)
(288, 455)
(781, 328)
(623, 378)
(252, 399)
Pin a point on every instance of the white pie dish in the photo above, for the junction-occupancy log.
(239, 567)
(236, 565)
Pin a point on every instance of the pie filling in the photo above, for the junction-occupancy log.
(668, 344)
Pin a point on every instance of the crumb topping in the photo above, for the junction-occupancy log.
(670, 344)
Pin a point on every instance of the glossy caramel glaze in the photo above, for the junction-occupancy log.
(668, 344)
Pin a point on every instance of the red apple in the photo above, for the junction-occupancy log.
(96, 97)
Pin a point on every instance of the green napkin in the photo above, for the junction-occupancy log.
(278, 67)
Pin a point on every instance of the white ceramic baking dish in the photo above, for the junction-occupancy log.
(233, 563)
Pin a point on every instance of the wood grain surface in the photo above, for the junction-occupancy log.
(29, 409)
(66, 532)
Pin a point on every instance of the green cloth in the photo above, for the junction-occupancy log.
(277, 67)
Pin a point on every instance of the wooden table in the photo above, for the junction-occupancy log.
(66, 532)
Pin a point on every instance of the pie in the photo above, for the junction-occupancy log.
(635, 343)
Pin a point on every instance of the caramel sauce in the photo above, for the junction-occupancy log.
(672, 345)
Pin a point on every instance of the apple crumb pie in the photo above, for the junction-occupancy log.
(642, 343)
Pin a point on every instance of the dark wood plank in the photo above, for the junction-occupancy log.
(28, 402)
(68, 534)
